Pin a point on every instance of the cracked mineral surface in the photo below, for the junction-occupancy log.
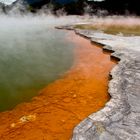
(59, 107)
(120, 118)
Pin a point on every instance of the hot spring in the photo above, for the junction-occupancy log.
(32, 54)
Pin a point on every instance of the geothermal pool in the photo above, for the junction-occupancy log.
(67, 74)
(64, 103)
(32, 54)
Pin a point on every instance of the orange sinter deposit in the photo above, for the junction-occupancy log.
(59, 107)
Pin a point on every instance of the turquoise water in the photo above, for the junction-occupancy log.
(29, 60)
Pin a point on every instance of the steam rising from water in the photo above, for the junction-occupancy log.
(118, 20)
(32, 54)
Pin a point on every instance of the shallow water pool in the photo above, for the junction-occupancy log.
(31, 56)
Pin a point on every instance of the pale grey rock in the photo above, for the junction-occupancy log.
(120, 118)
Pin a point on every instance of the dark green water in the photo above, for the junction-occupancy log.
(29, 60)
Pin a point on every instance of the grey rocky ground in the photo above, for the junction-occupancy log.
(120, 118)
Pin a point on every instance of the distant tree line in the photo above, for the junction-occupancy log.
(71, 8)
(118, 6)
(79, 7)
(112, 6)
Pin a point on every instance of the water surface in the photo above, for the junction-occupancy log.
(32, 54)
(66, 102)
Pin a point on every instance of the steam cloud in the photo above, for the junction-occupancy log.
(25, 41)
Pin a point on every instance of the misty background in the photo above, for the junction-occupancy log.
(76, 7)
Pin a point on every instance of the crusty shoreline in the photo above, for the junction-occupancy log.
(120, 118)
(64, 103)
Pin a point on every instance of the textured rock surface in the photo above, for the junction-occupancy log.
(120, 118)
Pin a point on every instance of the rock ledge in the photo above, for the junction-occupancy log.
(120, 118)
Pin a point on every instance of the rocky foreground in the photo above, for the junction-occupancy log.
(120, 118)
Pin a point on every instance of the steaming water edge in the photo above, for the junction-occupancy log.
(32, 54)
